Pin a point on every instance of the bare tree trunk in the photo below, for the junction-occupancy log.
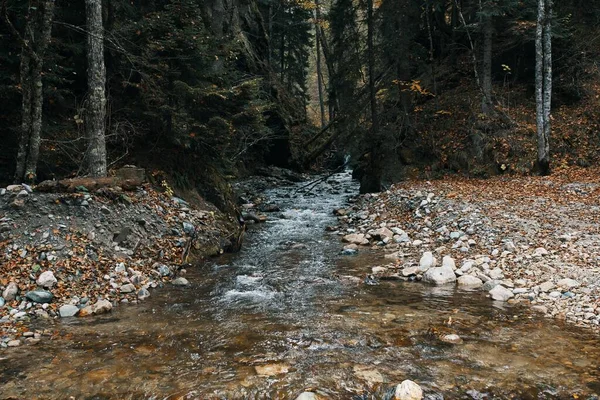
(319, 72)
(95, 159)
(486, 81)
(543, 83)
(34, 42)
(371, 181)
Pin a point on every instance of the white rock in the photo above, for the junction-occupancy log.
(439, 275)
(427, 261)
(448, 261)
(496, 273)
(101, 307)
(408, 390)
(540, 251)
(408, 271)
(378, 270)
(10, 292)
(47, 279)
(68, 310)
(307, 396)
(547, 286)
(180, 282)
(451, 338)
(568, 283)
(470, 281)
(356, 238)
(501, 293)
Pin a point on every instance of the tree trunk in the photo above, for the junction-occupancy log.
(95, 159)
(38, 31)
(371, 180)
(319, 71)
(486, 75)
(543, 83)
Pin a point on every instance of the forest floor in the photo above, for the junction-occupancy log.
(522, 239)
(66, 254)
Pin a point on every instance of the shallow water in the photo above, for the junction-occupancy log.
(281, 317)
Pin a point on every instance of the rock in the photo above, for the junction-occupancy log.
(11, 291)
(568, 283)
(427, 261)
(14, 188)
(378, 270)
(163, 270)
(127, 288)
(470, 281)
(408, 271)
(454, 235)
(356, 238)
(451, 338)
(188, 228)
(340, 212)
(382, 233)
(408, 390)
(143, 294)
(271, 369)
(371, 376)
(448, 261)
(2, 302)
(490, 284)
(68, 310)
(47, 279)
(547, 286)
(509, 246)
(540, 251)
(351, 247)
(180, 282)
(102, 307)
(86, 311)
(439, 275)
(501, 293)
(394, 256)
(496, 273)
(349, 252)
(13, 343)
(39, 296)
(307, 396)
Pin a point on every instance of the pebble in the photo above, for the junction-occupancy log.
(180, 282)
(13, 343)
(408, 390)
(307, 396)
(47, 279)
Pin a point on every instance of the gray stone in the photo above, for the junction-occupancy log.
(489, 285)
(13, 343)
(408, 271)
(496, 273)
(188, 228)
(439, 275)
(501, 293)
(127, 288)
(547, 286)
(39, 296)
(143, 294)
(47, 279)
(382, 233)
(470, 281)
(408, 390)
(2, 302)
(68, 310)
(10, 293)
(180, 282)
(164, 270)
(448, 261)
(101, 307)
(356, 238)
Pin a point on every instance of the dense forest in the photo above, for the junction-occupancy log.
(204, 90)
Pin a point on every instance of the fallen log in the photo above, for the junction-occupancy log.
(128, 178)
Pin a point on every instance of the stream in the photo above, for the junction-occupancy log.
(283, 316)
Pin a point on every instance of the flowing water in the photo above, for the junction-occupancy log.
(282, 317)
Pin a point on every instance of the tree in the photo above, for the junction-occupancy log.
(543, 83)
(95, 122)
(34, 42)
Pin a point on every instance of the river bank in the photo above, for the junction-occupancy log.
(82, 253)
(528, 240)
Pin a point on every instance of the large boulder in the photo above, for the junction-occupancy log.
(427, 261)
(440, 275)
(39, 296)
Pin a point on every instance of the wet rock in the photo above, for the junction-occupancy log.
(180, 282)
(163, 270)
(340, 212)
(39, 296)
(356, 238)
(86, 311)
(490, 284)
(68, 310)
(382, 234)
(408, 271)
(307, 396)
(469, 281)
(371, 376)
(47, 279)
(349, 252)
(439, 275)
(143, 294)
(2, 302)
(408, 390)
(427, 261)
(271, 369)
(451, 338)
(102, 307)
(13, 343)
(11, 291)
(500, 293)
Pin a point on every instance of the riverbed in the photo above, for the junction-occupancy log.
(290, 313)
